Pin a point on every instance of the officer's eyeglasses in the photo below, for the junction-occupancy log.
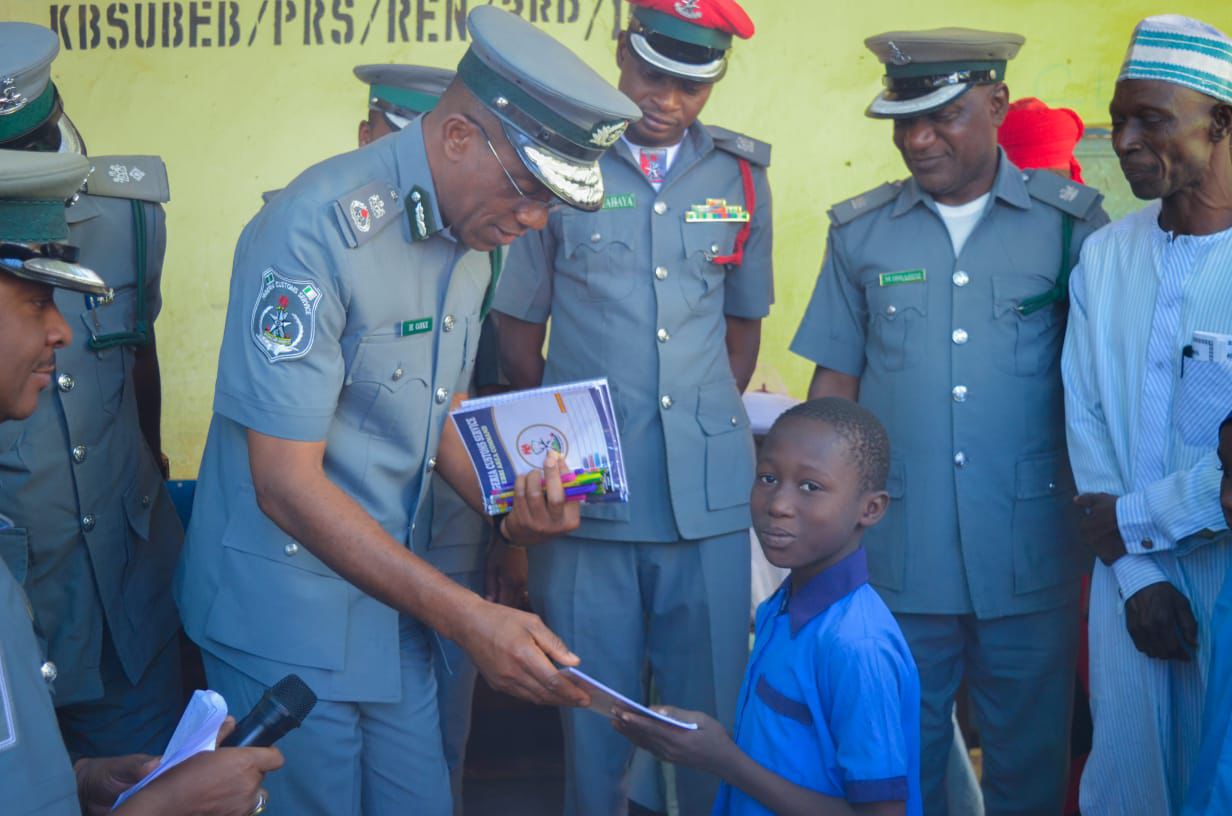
(551, 206)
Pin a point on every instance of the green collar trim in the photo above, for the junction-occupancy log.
(678, 29)
(29, 116)
(32, 220)
(414, 101)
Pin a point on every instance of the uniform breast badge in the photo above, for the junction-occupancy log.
(716, 209)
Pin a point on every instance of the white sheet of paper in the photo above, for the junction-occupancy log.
(604, 699)
(196, 732)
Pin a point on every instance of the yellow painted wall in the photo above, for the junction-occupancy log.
(234, 120)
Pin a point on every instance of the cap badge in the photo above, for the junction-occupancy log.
(11, 99)
(688, 9)
(606, 135)
(898, 56)
(361, 216)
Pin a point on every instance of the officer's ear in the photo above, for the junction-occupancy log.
(621, 43)
(458, 135)
(999, 101)
(365, 132)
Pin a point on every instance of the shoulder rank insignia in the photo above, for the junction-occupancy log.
(284, 318)
(423, 225)
(143, 178)
(740, 146)
(1067, 196)
(847, 211)
(365, 211)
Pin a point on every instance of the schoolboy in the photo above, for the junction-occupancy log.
(828, 718)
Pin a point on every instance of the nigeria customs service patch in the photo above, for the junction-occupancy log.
(284, 316)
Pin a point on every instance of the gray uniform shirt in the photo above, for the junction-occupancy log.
(36, 776)
(352, 318)
(634, 295)
(969, 389)
(93, 518)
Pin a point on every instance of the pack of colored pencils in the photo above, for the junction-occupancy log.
(510, 434)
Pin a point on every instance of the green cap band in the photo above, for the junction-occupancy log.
(32, 220)
(678, 29)
(28, 117)
(417, 101)
(488, 85)
(914, 70)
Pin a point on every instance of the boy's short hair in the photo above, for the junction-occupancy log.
(868, 444)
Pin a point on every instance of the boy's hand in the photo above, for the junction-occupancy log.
(708, 749)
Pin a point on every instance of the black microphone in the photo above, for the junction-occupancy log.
(278, 711)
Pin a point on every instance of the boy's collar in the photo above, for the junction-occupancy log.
(825, 589)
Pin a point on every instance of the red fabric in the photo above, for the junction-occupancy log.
(750, 200)
(1037, 136)
(721, 15)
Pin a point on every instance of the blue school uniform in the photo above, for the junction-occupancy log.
(831, 697)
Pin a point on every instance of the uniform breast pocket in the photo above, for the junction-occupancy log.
(387, 386)
(1204, 398)
(1025, 345)
(117, 317)
(896, 317)
(600, 257)
(702, 279)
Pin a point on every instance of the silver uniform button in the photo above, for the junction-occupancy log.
(660, 207)
(431, 463)
(663, 335)
(665, 401)
(145, 501)
(959, 393)
(960, 459)
(447, 323)
(661, 272)
(397, 375)
(960, 278)
(891, 310)
(79, 453)
(735, 421)
(442, 394)
(959, 336)
(49, 672)
(87, 522)
(291, 549)
(65, 383)
(595, 237)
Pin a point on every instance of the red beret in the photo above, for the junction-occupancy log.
(725, 16)
(1037, 136)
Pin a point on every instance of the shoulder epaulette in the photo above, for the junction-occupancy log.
(366, 210)
(740, 146)
(143, 178)
(1067, 196)
(268, 195)
(847, 211)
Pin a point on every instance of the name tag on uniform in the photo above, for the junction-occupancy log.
(620, 201)
(417, 326)
(905, 276)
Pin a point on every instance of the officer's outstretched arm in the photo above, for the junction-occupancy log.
(514, 650)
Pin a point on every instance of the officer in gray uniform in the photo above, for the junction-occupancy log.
(662, 292)
(354, 312)
(36, 775)
(941, 306)
(83, 474)
(449, 535)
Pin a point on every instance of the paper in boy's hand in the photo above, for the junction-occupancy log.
(604, 699)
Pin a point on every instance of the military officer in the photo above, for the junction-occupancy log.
(941, 307)
(449, 535)
(354, 306)
(662, 291)
(35, 773)
(102, 551)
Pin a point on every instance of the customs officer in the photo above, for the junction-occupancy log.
(449, 535)
(84, 475)
(662, 291)
(354, 306)
(941, 307)
(35, 773)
